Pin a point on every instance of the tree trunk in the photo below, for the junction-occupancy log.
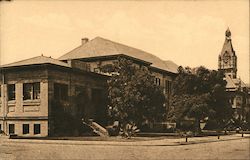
(197, 126)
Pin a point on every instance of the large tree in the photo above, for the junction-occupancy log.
(199, 93)
(133, 95)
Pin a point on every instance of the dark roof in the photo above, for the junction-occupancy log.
(98, 47)
(37, 60)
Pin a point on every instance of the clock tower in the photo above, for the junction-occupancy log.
(227, 59)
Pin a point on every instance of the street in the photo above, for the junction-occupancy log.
(225, 148)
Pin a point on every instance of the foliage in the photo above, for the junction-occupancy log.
(133, 96)
(129, 130)
(200, 94)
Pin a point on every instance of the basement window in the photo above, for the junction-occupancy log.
(37, 128)
(26, 128)
(31, 91)
(11, 128)
(11, 89)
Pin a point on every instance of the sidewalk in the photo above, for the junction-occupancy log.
(132, 142)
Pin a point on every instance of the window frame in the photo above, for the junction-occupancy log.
(32, 93)
(13, 129)
(13, 94)
(39, 130)
(157, 81)
(24, 129)
(168, 86)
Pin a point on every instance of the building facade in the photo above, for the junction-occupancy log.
(38, 92)
(42, 96)
(100, 51)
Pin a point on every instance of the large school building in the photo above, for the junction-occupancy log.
(41, 96)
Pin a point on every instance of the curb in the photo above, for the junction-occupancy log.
(162, 142)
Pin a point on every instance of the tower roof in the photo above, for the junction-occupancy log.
(228, 47)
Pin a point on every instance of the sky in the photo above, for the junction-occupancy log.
(190, 33)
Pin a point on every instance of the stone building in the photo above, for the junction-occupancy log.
(37, 91)
(236, 88)
(42, 96)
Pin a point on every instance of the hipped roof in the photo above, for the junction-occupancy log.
(37, 60)
(98, 47)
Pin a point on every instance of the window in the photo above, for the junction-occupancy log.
(61, 91)
(11, 92)
(0, 128)
(37, 128)
(168, 87)
(11, 128)
(26, 128)
(158, 81)
(31, 91)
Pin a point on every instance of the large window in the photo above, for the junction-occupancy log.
(11, 128)
(26, 128)
(168, 87)
(61, 91)
(11, 92)
(37, 128)
(31, 91)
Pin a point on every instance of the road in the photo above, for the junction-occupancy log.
(237, 148)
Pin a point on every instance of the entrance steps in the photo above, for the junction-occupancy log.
(97, 128)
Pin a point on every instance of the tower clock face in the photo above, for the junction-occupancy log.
(226, 57)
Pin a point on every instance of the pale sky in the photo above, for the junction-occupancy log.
(190, 33)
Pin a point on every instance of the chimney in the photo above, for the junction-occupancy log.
(84, 40)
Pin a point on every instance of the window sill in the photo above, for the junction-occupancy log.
(29, 102)
(11, 102)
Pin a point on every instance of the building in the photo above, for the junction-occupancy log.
(99, 51)
(34, 92)
(235, 87)
(42, 96)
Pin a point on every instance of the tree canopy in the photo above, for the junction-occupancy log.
(200, 94)
(133, 95)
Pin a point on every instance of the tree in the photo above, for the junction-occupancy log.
(133, 96)
(199, 93)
